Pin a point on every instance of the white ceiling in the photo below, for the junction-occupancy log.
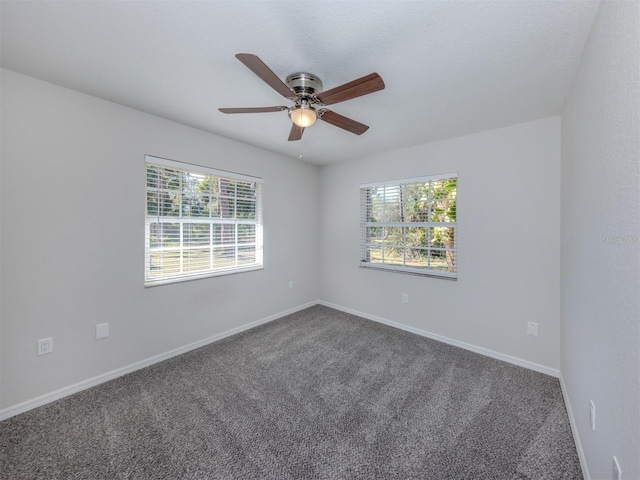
(450, 67)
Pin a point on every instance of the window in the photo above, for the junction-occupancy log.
(410, 225)
(200, 222)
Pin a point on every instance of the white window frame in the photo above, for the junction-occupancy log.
(182, 219)
(369, 246)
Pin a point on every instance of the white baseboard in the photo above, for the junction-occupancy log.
(456, 343)
(574, 430)
(105, 377)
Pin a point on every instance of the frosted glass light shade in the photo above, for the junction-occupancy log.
(303, 116)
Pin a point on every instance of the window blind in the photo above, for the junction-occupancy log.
(200, 222)
(410, 225)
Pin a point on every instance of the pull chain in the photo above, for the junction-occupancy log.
(301, 157)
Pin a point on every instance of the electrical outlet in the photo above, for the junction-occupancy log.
(405, 298)
(290, 284)
(592, 412)
(532, 329)
(617, 471)
(45, 345)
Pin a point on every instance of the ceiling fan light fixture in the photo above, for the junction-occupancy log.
(303, 115)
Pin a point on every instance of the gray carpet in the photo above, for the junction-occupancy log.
(319, 394)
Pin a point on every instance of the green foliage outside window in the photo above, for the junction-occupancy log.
(411, 225)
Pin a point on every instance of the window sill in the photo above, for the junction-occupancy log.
(411, 271)
(189, 278)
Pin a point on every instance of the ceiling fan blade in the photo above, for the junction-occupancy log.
(257, 66)
(343, 122)
(296, 132)
(356, 88)
(253, 110)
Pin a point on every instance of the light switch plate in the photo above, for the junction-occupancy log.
(102, 330)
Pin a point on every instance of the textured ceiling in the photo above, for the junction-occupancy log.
(450, 67)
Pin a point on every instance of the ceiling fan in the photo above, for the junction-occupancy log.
(305, 90)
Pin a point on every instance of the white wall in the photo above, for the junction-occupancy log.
(601, 280)
(73, 239)
(508, 242)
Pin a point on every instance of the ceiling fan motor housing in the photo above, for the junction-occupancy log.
(306, 85)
